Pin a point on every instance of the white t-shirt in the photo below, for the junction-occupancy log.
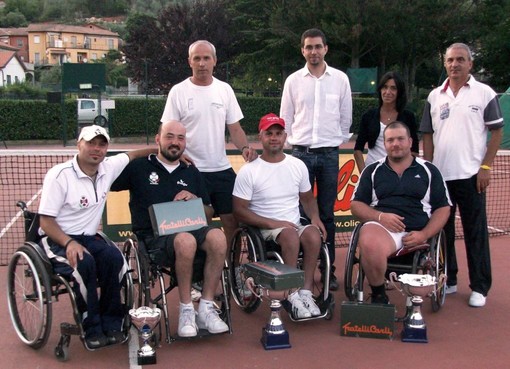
(273, 188)
(73, 199)
(204, 111)
(378, 151)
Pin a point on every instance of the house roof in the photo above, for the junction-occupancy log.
(89, 29)
(6, 56)
(4, 46)
(19, 31)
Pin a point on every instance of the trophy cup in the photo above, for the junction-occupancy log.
(145, 319)
(274, 335)
(416, 286)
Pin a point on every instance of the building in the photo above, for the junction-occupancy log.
(16, 37)
(55, 44)
(12, 68)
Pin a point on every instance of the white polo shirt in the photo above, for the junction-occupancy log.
(73, 198)
(459, 125)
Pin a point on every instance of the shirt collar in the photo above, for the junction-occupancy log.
(81, 174)
(306, 72)
(446, 83)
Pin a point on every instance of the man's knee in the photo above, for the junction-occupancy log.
(288, 239)
(185, 246)
(215, 242)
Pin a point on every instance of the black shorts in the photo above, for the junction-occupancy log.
(220, 186)
(161, 249)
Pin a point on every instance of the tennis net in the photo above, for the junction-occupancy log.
(22, 174)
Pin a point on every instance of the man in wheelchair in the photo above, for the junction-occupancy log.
(267, 193)
(72, 202)
(162, 178)
(402, 201)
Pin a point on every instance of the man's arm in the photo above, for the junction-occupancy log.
(366, 213)
(140, 153)
(484, 175)
(241, 141)
(346, 110)
(244, 215)
(312, 211)
(74, 250)
(428, 146)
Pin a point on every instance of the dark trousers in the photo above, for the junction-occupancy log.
(323, 170)
(473, 216)
(101, 267)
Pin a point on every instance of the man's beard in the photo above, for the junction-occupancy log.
(169, 155)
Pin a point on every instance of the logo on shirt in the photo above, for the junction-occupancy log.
(84, 202)
(154, 178)
(417, 176)
(444, 111)
(182, 183)
(474, 108)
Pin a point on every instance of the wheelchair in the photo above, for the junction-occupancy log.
(33, 287)
(146, 273)
(248, 246)
(429, 258)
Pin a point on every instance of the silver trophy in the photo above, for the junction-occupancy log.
(145, 319)
(416, 287)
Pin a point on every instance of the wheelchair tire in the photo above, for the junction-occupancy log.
(29, 296)
(246, 248)
(353, 276)
(135, 273)
(438, 254)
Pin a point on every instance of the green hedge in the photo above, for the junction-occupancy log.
(39, 120)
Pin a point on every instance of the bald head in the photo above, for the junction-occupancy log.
(171, 140)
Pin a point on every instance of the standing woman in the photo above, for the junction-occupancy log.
(392, 101)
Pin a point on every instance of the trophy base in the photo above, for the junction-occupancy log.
(147, 360)
(417, 335)
(275, 341)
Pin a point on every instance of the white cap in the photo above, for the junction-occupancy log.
(90, 132)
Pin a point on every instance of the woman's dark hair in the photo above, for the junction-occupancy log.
(401, 89)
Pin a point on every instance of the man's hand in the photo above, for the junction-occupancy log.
(74, 252)
(482, 180)
(186, 160)
(184, 196)
(250, 154)
(414, 238)
(392, 222)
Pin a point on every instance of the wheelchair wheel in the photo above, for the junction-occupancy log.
(246, 248)
(29, 295)
(438, 253)
(353, 276)
(135, 273)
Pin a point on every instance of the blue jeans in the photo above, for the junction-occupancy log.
(323, 169)
(473, 216)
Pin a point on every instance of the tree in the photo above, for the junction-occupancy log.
(160, 46)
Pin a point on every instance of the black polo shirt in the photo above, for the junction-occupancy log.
(149, 183)
(415, 196)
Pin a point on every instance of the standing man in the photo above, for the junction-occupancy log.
(72, 202)
(263, 200)
(317, 108)
(161, 178)
(402, 202)
(205, 105)
(456, 119)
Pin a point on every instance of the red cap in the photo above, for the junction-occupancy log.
(270, 119)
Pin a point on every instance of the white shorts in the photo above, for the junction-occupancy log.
(397, 236)
(272, 234)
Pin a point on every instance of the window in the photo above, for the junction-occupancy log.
(110, 43)
(37, 58)
(88, 104)
(73, 41)
(19, 42)
(8, 80)
(94, 56)
(37, 39)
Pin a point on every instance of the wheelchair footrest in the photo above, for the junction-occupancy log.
(70, 329)
(367, 320)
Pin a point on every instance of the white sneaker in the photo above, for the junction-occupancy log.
(187, 326)
(309, 302)
(477, 299)
(450, 289)
(299, 310)
(208, 318)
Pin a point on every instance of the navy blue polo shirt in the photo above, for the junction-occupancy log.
(415, 196)
(150, 183)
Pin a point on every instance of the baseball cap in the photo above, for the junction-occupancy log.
(268, 120)
(90, 132)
